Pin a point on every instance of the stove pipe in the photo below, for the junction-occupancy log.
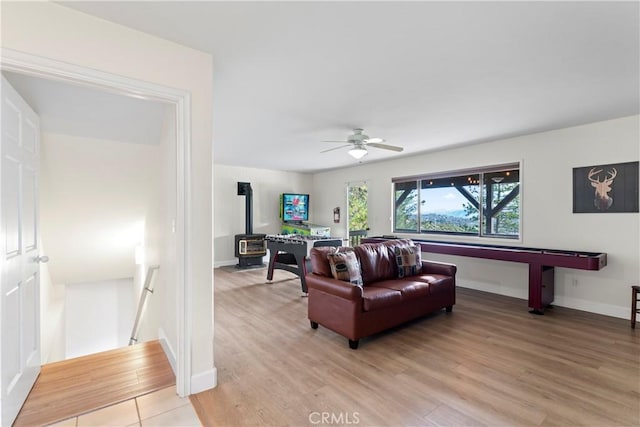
(244, 189)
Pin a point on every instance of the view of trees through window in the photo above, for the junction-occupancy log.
(357, 200)
(357, 195)
(484, 203)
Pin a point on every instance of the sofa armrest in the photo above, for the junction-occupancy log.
(443, 268)
(333, 286)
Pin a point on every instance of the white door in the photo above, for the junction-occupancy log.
(20, 298)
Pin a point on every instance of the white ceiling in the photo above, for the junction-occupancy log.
(422, 75)
(85, 112)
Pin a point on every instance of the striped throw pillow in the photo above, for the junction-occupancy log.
(345, 266)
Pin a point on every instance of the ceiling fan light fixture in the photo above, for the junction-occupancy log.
(358, 152)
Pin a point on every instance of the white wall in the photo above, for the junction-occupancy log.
(50, 30)
(98, 316)
(94, 196)
(547, 221)
(52, 336)
(160, 315)
(229, 212)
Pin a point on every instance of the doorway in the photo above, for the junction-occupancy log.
(357, 211)
(32, 65)
(103, 183)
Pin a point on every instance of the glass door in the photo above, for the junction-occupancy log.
(357, 212)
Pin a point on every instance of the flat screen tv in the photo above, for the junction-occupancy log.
(294, 207)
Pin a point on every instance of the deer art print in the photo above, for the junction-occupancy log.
(602, 200)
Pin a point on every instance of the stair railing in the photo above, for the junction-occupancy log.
(146, 291)
(355, 236)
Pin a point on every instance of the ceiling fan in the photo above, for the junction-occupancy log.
(359, 142)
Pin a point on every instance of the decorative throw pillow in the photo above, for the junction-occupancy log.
(409, 260)
(345, 266)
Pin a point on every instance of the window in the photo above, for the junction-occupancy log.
(479, 202)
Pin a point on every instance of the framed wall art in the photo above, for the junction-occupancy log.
(606, 188)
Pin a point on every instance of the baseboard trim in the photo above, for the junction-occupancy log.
(168, 350)
(199, 382)
(204, 381)
(224, 263)
(559, 300)
(593, 307)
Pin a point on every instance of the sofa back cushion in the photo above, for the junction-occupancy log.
(393, 246)
(399, 242)
(376, 262)
(319, 262)
(345, 267)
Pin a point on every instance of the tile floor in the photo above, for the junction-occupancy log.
(160, 408)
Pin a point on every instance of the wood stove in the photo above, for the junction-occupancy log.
(250, 248)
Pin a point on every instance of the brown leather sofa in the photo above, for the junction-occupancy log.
(384, 300)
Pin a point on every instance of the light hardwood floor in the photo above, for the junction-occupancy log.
(76, 386)
(488, 363)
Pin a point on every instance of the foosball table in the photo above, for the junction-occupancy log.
(290, 252)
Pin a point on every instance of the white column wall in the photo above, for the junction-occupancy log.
(53, 31)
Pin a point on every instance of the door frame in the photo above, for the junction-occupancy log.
(33, 65)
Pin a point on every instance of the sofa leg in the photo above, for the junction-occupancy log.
(449, 309)
(353, 344)
(314, 325)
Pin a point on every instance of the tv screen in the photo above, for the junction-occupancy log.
(295, 207)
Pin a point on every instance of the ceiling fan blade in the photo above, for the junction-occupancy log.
(335, 148)
(385, 146)
(374, 140)
(342, 142)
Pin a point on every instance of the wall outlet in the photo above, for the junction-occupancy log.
(574, 283)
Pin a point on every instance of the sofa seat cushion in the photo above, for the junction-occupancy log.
(375, 298)
(376, 262)
(438, 283)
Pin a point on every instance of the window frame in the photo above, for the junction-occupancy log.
(457, 174)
